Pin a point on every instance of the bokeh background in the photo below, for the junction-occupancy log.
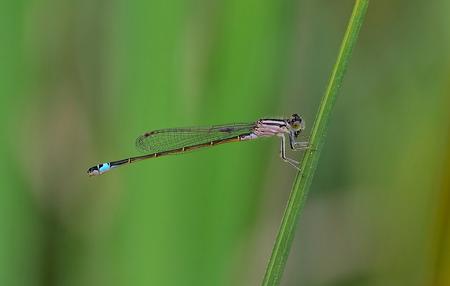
(80, 80)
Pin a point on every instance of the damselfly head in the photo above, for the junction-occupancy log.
(93, 171)
(297, 124)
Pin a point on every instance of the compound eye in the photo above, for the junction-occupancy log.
(296, 125)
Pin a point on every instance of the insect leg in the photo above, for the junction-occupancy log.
(290, 161)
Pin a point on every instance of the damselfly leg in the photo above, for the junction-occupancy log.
(296, 146)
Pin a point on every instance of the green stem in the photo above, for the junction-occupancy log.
(304, 177)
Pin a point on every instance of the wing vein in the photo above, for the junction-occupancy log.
(174, 138)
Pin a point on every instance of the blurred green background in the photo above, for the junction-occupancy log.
(80, 80)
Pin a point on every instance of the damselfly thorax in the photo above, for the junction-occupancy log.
(171, 141)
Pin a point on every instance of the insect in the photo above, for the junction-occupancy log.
(171, 141)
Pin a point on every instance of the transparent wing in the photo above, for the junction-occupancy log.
(170, 139)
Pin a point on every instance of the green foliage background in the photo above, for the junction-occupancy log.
(79, 80)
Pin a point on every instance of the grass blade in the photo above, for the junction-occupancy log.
(304, 177)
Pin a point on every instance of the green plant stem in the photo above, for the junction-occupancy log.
(304, 177)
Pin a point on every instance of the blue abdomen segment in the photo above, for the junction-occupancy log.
(104, 167)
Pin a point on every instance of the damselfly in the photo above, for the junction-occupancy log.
(162, 142)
